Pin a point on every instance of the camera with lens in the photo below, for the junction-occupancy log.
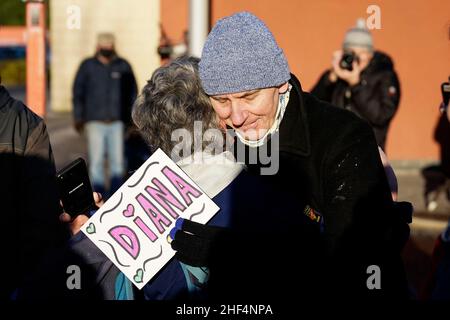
(347, 59)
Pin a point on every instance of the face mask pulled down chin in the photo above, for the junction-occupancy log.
(107, 53)
(282, 104)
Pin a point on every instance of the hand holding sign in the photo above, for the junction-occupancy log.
(195, 243)
(132, 226)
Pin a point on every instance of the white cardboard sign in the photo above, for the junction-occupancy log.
(131, 228)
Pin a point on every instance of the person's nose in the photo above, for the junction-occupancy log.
(238, 114)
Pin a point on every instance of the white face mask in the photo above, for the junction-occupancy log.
(282, 104)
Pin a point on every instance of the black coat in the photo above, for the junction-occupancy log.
(104, 92)
(375, 98)
(330, 158)
(28, 196)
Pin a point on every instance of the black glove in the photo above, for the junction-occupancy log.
(198, 245)
(403, 212)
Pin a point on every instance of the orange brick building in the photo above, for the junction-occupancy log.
(416, 33)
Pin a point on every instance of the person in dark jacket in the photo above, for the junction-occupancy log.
(103, 93)
(250, 205)
(371, 89)
(28, 195)
(326, 156)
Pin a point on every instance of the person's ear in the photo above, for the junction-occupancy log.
(283, 88)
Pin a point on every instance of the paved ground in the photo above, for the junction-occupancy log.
(68, 145)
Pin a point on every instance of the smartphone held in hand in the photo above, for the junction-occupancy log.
(75, 188)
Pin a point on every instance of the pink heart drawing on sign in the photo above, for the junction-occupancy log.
(129, 212)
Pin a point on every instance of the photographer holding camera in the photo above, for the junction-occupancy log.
(363, 81)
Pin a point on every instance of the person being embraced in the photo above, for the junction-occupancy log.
(252, 222)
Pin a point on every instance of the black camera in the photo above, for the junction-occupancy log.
(347, 59)
(445, 89)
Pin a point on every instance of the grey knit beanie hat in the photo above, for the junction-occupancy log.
(241, 54)
(359, 36)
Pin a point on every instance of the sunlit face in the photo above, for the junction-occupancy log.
(364, 55)
(251, 113)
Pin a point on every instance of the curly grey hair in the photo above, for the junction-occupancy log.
(173, 99)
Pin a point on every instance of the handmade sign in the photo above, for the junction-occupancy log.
(131, 228)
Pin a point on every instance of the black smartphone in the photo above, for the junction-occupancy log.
(75, 189)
